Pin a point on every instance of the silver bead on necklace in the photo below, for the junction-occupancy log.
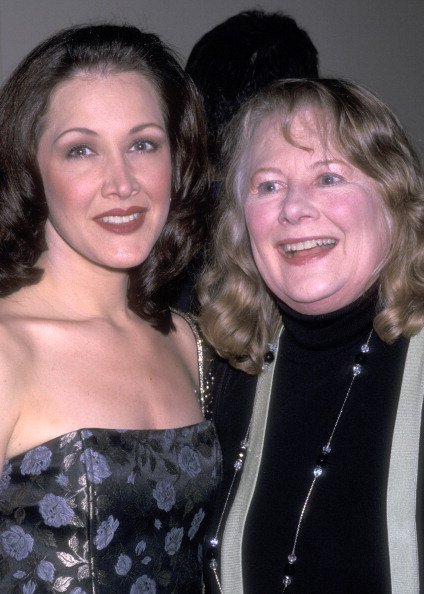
(317, 472)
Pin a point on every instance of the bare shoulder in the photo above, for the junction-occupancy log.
(13, 333)
(14, 356)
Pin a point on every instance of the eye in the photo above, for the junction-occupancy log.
(143, 146)
(80, 150)
(329, 179)
(269, 187)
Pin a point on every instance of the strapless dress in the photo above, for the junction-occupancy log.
(109, 511)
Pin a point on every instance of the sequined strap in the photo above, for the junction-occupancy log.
(203, 358)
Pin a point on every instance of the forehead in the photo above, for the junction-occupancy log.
(89, 94)
(307, 129)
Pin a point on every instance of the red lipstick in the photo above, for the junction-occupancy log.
(122, 221)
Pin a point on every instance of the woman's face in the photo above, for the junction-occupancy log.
(105, 162)
(317, 224)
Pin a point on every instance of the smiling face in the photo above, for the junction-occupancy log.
(105, 162)
(317, 225)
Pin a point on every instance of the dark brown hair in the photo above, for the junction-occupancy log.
(24, 102)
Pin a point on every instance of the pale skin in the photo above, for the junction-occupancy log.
(72, 354)
(318, 227)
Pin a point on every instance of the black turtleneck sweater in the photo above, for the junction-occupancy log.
(343, 545)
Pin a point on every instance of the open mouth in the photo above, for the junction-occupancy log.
(120, 220)
(291, 249)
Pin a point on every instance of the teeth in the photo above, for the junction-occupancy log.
(307, 245)
(119, 220)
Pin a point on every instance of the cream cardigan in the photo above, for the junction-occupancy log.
(401, 491)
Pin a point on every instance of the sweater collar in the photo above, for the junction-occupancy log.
(342, 327)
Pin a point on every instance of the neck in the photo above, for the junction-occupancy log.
(76, 288)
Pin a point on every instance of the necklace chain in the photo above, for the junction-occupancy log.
(289, 570)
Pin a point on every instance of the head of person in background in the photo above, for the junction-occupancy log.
(242, 55)
(99, 51)
(323, 199)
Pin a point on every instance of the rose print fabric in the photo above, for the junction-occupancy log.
(108, 511)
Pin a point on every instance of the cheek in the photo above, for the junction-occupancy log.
(66, 197)
(360, 216)
(371, 218)
(56, 191)
(158, 180)
(163, 183)
(368, 229)
(259, 222)
(63, 189)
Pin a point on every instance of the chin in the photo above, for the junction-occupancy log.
(128, 265)
(318, 303)
(121, 264)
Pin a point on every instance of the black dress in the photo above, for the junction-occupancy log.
(108, 511)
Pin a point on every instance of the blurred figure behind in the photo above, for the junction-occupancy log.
(242, 55)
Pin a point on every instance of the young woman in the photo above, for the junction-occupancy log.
(109, 465)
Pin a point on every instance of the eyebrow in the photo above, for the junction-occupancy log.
(329, 162)
(316, 165)
(90, 132)
(267, 170)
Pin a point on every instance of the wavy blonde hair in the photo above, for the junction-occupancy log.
(239, 315)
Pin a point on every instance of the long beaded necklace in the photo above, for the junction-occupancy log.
(317, 471)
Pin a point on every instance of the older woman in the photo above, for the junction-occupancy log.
(110, 467)
(316, 283)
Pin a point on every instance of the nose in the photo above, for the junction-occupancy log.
(297, 205)
(119, 180)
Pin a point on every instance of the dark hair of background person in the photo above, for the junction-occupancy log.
(242, 55)
(24, 102)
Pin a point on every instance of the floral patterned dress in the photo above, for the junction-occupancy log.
(108, 511)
